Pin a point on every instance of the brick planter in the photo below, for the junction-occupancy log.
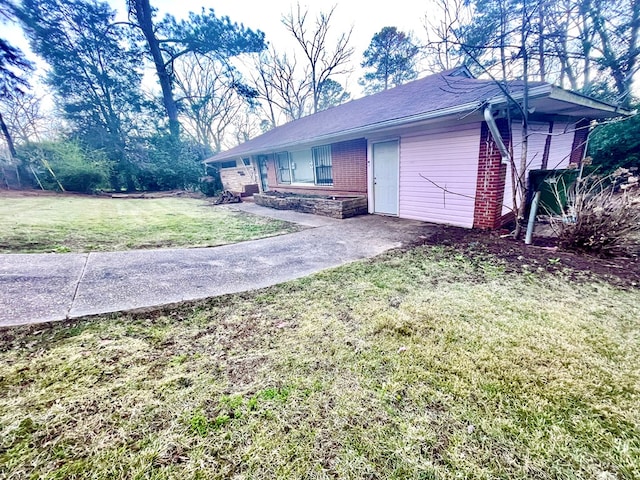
(334, 207)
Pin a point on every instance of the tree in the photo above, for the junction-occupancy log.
(323, 62)
(212, 96)
(25, 119)
(332, 94)
(391, 58)
(13, 64)
(95, 71)
(203, 33)
(283, 85)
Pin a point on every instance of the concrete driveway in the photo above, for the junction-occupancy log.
(48, 287)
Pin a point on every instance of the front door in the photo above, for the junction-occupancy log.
(385, 177)
(262, 165)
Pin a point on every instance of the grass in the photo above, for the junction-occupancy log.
(80, 224)
(431, 363)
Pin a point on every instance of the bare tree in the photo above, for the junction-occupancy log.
(323, 61)
(25, 119)
(283, 85)
(211, 96)
(441, 50)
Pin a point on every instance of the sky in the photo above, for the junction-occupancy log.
(366, 18)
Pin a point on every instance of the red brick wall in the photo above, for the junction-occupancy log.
(491, 178)
(349, 169)
(579, 142)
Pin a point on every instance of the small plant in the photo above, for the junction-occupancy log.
(199, 424)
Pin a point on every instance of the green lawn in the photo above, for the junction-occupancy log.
(80, 224)
(425, 364)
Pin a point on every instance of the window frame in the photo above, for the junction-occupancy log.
(321, 156)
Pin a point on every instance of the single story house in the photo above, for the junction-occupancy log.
(425, 150)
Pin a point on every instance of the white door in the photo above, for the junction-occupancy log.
(385, 177)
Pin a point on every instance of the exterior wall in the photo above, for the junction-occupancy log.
(579, 143)
(448, 158)
(239, 179)
(349, 170)
(559, 152)
(491, 176)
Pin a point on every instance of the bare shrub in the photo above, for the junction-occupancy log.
(602, 216)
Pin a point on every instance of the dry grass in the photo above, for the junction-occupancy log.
(80, 224)
(430, 363)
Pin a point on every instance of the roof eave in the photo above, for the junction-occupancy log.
(355, 132)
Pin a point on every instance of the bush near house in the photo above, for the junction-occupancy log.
(603, 215)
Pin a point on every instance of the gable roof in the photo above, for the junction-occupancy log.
(449, 92)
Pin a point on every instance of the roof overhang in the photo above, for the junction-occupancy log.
(552, 100)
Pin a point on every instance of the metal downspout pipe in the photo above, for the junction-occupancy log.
(495, 133)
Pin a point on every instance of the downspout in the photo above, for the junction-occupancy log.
(495, 133)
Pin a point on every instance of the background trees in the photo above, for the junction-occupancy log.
(391, 60)
(200, 34)
(95, 81)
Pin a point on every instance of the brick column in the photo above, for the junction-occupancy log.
(491, 178)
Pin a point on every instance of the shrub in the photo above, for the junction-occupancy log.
(616, 145)
(603, 216)
(210, 185)
(167, 164)
(65, 165)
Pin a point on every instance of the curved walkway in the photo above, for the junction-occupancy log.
(38, 288)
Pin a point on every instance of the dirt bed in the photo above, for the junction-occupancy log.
(543, 254)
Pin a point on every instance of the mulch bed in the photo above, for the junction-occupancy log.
(543, 254)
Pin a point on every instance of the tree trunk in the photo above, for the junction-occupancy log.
(8, 138)
(522, 174)
(144, 15)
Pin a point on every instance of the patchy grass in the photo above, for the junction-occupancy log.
(425, 364)
(78, 224)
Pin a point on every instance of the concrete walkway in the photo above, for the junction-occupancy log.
(48, 287)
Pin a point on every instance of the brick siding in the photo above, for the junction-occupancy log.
(491, 179)
(349, 170)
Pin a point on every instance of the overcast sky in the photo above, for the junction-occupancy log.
(366, 18)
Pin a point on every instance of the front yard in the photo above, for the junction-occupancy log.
(433, 362)
(68, 223)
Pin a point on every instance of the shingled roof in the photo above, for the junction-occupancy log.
(430, 96)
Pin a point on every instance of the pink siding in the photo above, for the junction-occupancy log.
(559, 151)
(448, 158)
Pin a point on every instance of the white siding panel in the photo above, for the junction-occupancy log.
(450, 160)
(559, 151)
(561, 144)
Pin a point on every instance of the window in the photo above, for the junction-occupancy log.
(283, 166)
(247, 162)
(311, 166)
(229, 164)
(322, 164)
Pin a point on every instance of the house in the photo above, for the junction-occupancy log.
(425, 150)
(236, 174)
